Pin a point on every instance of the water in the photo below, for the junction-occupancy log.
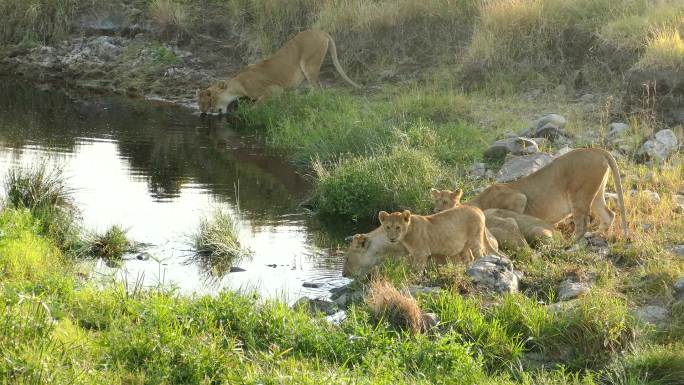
(156, 169)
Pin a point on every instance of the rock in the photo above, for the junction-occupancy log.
(477, 171)
(495, 274)
(677, 250)
(559, 308)
(653, 314)
(107, 25)
(549, 126)
(415, 290)
(144, 256)
(520, 166)
(611, 197)
(105, 47)
(562, 151)
(235, 269)
(430, 320)
(679, 288)
(647, 227)
(337, 318)
(678, 200)
(570, 290)
(586, 98)
(652, 196)
(514, 146)
(272, 265)
(661, 146)
(679, 119)
(311, 285)
(617, 133)
(315, 305)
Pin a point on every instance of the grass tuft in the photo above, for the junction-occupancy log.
(110, 245)
(400, 310)
(217, 243)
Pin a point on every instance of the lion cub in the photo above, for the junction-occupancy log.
(368, 250)
(456, 233)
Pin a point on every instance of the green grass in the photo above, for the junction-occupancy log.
(42, 189)
(38, 21)
(110, 245)
(217, 243)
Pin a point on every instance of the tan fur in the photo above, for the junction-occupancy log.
(533, 229)
(368, 250)
(506, 231)
(454, 233)
(300, 58)
(445, 199)
(572, 185)
(401, 310)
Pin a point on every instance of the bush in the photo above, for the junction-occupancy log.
(110, 245)
(359, 187)
(217, 243)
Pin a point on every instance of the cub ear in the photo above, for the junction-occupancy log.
(434, 192)
(406, 215)
(362, 240)
(382, 216)
(222, 84)
(456, 195)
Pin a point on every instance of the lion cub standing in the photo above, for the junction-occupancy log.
(456, 233)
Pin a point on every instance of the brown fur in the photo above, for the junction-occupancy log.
(572, 185)
(401, 310)
(368, 250)
(533, 229)
(506, 231)
(455, 233)
(300, 58)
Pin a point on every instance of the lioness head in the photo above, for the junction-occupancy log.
(358, 260)
(207, 98)
(395, 225)
(445, 199)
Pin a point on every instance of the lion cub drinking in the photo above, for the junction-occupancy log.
(456, 233)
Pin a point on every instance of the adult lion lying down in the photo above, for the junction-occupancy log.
(300, 58)
(572, 185)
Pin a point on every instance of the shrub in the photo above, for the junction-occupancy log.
(217, 243)
(37, 21)
(359, 187)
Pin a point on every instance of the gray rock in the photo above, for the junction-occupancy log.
(495, 274)
(677, 250)
(520, 166)
(311, 285)
(559, 308)
(416, 290)
(617, 133)
(315, 305)
(678, 200)
(647, 227)
(477, 171)
(549, 126)
(105, 47)
(570, 290)
(679, 288)
(514, 146)
(661, 146)
(562, 151)
(236, 269)
(652, 196)
(430, 320)
(144, 256)
(337, 318)
(586, 98)
(105, 25)
(653, 314)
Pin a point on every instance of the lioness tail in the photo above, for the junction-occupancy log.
(618, 186)
(338, 67)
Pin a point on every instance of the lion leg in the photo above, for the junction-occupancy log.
(270, 90)
(601, 210)
(580, 217)
(311, 66)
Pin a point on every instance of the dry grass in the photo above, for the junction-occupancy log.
(664, 50)
(400, 310)
(170, 16)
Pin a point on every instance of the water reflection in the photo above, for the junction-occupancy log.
(156, 169)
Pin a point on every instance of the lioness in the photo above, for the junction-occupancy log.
(368, 250)
(455, 233)
(572, 185)
(298, 59)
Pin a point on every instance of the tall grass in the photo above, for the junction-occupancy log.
(664, 50)
(170, 16)
(38, 21)
(43, 190)
(110, 245)
(217, 243)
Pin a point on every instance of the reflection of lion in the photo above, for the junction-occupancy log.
(300, 58)
(572, 185)
(368, 250)
(456, 233)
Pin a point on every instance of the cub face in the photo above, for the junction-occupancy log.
(445, 199)
(358, 259)
(395, 225)
(204, 100)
